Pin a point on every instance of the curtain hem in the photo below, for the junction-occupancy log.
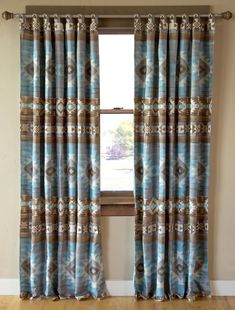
(191, 297)
(29, 296)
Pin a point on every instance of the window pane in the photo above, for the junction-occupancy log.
(116, 71)
(117, 152)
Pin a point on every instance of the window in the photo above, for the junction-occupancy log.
(116, 121)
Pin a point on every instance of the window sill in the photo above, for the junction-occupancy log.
(117, 210)
(119, 203)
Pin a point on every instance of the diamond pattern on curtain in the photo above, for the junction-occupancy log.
(173, 74)
(60, 250)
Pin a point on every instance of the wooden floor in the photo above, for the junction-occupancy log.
(117, 303)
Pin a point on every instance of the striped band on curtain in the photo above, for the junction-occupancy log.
(173, 75)
(60, 250)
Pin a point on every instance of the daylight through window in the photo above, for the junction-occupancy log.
(116, 121)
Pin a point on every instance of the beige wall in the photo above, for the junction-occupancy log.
(118, 232)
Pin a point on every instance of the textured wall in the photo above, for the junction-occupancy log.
(118, 234)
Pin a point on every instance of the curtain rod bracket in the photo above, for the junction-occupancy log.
(7, 15)
(227, 15)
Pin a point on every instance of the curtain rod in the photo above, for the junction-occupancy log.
(9, 15)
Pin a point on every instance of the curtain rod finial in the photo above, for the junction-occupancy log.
(7, 15)
(227, 15)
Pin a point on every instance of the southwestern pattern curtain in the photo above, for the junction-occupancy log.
(173, 73)
(60, 251)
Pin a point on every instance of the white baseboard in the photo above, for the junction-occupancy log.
(120, 288)
(123, 288)
(222, 288)
(9, 287)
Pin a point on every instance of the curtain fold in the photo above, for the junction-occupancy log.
(173, 75)
(60, 244)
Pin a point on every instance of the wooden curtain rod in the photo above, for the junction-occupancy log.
(9, 15)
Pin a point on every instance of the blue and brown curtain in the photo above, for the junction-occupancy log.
(60, 250)
(173, 74)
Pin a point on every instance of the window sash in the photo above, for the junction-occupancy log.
(117, 203)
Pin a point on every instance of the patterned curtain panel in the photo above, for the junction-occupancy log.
(173, 73)
(60, 250)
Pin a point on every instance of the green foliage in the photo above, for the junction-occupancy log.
(122, 137)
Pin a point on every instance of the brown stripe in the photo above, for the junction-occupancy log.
(26, 35)
(87, 36)
(173, 218)
(173, 139)
(70, 35)
(185, 200)
(159, 129)
(197, 35)
(27, 99)
(164, 100)
(31, 116)
(163, 114)
(194, 238)
(60, 201)
(60, 220)
(184, 118)
(64, 237)
(69, 119)
(59, 130)
(65, 139)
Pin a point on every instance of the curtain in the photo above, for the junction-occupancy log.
(173, 74)
(60, 249)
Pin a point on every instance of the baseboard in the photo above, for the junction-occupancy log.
(123, 288)
(9, 287)
(222, 288)
(120, 288)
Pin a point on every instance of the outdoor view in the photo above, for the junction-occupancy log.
(117, 91)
